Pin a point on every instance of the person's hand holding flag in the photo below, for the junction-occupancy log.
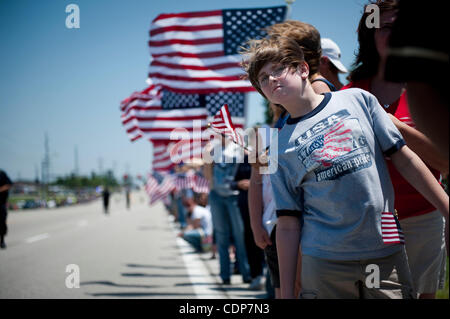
(223, 125)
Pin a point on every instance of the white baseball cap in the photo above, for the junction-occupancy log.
(331, 50)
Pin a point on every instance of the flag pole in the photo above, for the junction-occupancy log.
(289, 9)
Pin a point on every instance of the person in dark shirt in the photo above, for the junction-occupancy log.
(5, 185)
(255, 254)
(418, 56)
(105, 195)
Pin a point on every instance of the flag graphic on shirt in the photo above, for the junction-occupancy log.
(337, 142)
(197, 52)
(223, 124)
(391, 230)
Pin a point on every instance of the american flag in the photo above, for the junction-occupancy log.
(222, 124)
(152, 184)
(154, 113)
(161, 158)
(201, 184)
(391, 230)
(192, 180)
(167, 154)
(197, 52)
(185, 181)
(159, 186)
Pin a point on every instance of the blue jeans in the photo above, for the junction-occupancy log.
(194, 238)
(181, 212)
(227, 222)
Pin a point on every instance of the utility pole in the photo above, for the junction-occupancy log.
(45, 170)
(36, 173)
(76, 170)
(100, 166)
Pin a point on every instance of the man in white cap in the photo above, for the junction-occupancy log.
(330, 62)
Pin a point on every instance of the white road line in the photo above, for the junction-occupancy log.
(199, 274)
(36, 238)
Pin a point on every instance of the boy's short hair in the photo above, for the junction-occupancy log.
(279, 50)
(306, 36)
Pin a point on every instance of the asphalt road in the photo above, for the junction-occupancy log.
(79, 252)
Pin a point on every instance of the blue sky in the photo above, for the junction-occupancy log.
(68, 83)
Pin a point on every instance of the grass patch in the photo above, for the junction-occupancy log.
(443, 294)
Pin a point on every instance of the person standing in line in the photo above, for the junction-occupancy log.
(227, 219)
(422, 224)
(127, 197)
(421, 45)
(307, 38)
(262, 211)
(255, 254)
(5, 185)
(330, 62)
(339, 195)
(105, 196)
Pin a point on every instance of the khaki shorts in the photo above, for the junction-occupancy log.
(425, 247)
(381, 278)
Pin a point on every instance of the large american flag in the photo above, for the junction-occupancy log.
(154, 113)
(197, 52)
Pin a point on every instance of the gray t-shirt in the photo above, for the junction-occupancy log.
(332, 173)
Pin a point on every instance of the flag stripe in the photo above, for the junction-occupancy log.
(199, 14)
(197, 67)
(200, 55)
(390, 229)
(165, 76)
(182, 29)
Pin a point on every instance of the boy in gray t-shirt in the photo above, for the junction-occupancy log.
(332, 179)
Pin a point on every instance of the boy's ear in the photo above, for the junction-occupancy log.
(303, 68)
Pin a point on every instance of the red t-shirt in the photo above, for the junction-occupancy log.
(408, 201)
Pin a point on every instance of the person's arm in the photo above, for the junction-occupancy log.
(422, 146)
(413, 169)
(418, 175)
(208, 173)
(196, 223)
(288, 241)
(255, 205)
(5, 187)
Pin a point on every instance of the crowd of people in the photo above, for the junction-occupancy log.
(357, 183)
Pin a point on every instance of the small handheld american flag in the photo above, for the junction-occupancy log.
(223, 125)
(391, 230)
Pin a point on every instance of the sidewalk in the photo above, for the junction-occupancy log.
(209, 286)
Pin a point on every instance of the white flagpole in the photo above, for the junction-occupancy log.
(289, 9)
